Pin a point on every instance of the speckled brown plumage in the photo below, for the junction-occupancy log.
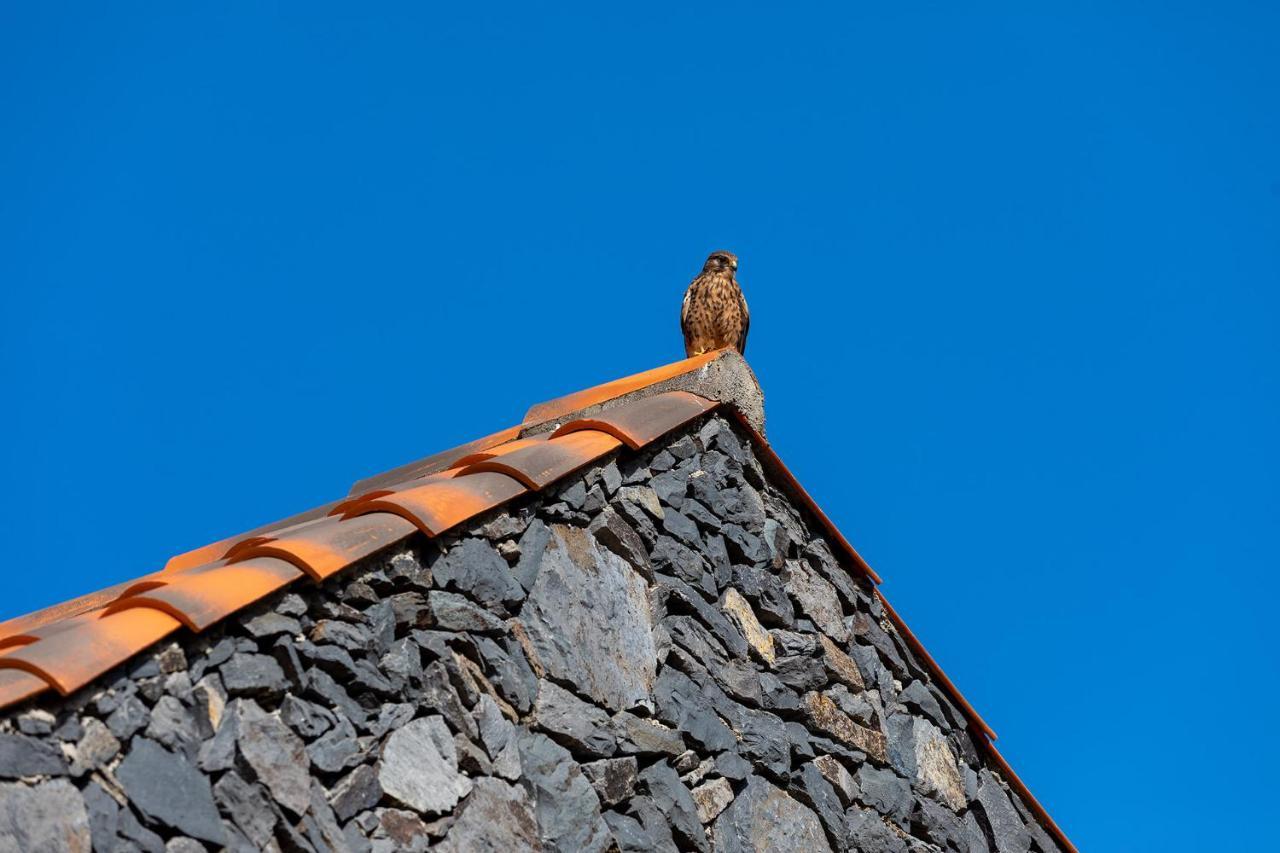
(714, 313)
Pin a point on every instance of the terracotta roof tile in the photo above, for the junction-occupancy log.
(17, 685)
(440, 504)
(88, 645)
(201, 596)
(539, 463)
(330, 544)
(570, 403)
(642, 421)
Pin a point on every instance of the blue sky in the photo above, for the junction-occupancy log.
(1014, 275)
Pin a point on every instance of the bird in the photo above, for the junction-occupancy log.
(714, 312)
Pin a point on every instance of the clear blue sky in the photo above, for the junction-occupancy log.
(1015, 278)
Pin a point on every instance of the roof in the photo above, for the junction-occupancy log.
(64, 647)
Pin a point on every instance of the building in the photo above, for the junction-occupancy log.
(621, 624)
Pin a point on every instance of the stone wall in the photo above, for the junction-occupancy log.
(659, 655)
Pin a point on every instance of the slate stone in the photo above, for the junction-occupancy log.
(104, 818)
(629, 835)
(812, 788)
(475, 568)
(578, 725)
(683, 528)
(252, 675)
(320, 824)
(49, 816)
(654, 822)
(919, 700)
(276, 755)
(711, 798)
(219, 752)
(741, 614)
(335, 750)
(643, 736)
(272, 624)
(776, 696)
(352, 637)
(886, 792)
(823, 715)
(844, 752)
(454, 612)
(740, 680)
(306, 718)
(589, 621)
(439, 694)
(471, 758)
(839, 665)
(173, 725)
(420, 767)
(821, 560)
(69, 730)
(800, 672)
(801, 742)
(920, 752)
(838, 776)
(503, 525)
(681, 597)
(37, 721)
(1038, 834)
(764, 819)
(777, 541)
(247, 806)
(941, 826)
(794, 644)
(402, 663)
(692, 636)
(613, 779)
(868, 833)
(868, 631)
(355, 792)
(762, 738)
(168, 789)
(509, 671)
(681, 703)
(182, 844)
(670, 487)
(390, 718)
(565, 804)
(575, 494)
(674, 800)
(405, 829)
(744, 546)
(141, 837)
(322, 685)
(679, 560)
(21, 755)
(614, 532)
(661, 461)
(410, 610)
(495, 817)
(95, 748)
(974, 836)
(816, 598)
(1010, 835)
(285, 651)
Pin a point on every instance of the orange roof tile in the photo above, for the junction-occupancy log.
(640, 422)
(579, 400)
(540, 463)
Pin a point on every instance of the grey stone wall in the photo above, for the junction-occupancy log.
(661, 655)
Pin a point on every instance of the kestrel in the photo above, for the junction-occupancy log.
(714, 313)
